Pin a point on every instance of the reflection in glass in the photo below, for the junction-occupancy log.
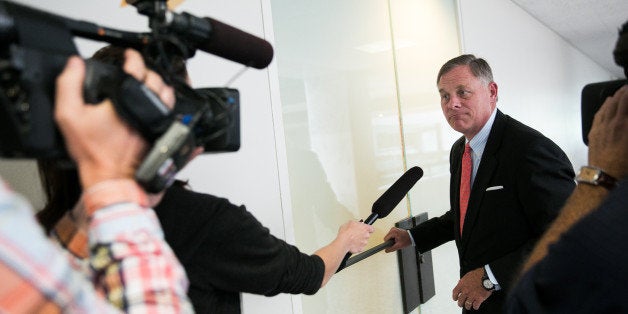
(344, 91)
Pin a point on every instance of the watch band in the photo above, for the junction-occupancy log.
(596, 176)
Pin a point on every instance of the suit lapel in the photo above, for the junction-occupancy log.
(487, 167)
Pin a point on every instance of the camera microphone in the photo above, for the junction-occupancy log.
(223, 40)
(236, 45)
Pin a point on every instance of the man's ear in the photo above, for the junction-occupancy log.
(493, 89)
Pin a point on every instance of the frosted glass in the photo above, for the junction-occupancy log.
(344, 92)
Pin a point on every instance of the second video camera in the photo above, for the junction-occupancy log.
(594, 94)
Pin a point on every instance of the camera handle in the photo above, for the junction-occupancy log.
(133, 101)
(170, 153)
(173, 141)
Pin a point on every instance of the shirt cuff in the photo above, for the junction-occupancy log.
(490, 275)
(112, 192)
(110, 222)
(411, 238)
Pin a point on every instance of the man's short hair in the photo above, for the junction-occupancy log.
(478, 66)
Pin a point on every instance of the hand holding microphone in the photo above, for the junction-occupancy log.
(389, 200)
(355, 235)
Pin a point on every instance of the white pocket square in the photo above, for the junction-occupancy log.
(493, 188)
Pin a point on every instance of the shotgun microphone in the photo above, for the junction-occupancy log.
(208, 34)
(236, 45)
(389, 200)
(223, 40)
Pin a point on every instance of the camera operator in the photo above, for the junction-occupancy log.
(131, 267)
(579, 265)
(225, 250)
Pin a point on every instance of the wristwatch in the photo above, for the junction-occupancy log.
(487, 283)
(595, 176)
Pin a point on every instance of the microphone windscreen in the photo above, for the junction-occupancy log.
(387, 202)
(236, 45)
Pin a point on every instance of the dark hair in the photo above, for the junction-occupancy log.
(479, 67)
(620, 53)
(61, 186)
(115, 55)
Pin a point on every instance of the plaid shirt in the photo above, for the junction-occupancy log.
(131, 267)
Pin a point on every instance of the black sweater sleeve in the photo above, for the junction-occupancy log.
(223, 246)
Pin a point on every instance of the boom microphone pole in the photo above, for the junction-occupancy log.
(369, 252)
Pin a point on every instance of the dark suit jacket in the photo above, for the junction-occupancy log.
(530, 177)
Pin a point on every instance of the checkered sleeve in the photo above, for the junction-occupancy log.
(132, 265)
(36, 276)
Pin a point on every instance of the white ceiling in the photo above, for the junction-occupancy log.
(589, 25)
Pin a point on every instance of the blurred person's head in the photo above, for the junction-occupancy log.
(60, 181)
(115, 55)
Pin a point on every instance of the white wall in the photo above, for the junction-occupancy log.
(540, 76)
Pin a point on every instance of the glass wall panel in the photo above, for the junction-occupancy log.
(349, 72)
(431, 28)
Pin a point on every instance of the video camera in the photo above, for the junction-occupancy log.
(594, 94)
(35, 46)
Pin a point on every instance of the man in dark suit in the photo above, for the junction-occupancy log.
(508, 182)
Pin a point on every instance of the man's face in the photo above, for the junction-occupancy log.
(467, 101)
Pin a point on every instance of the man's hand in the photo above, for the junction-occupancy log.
(401, 237)
(103, 146)
(608, 138)
(469, 291)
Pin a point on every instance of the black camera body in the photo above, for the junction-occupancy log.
(594, 94)
(35, 46)
(31, 59)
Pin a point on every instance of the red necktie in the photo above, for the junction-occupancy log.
(465, 183)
